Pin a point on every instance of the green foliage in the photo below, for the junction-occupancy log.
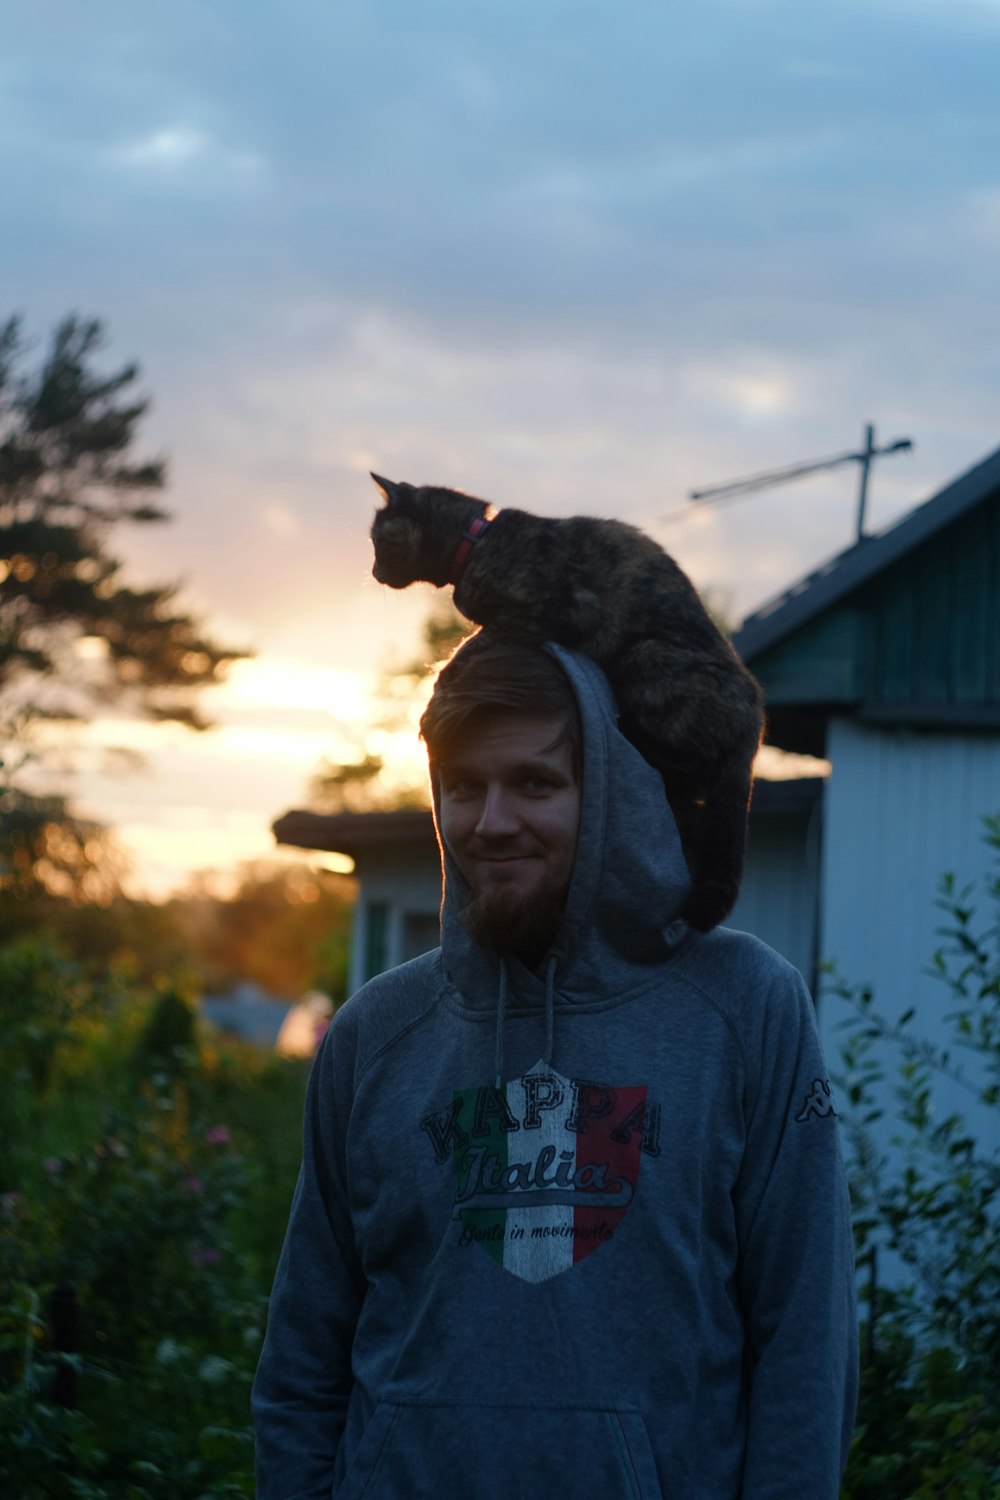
(161, 1213)
(924, 1432)
(47, 851)
(928, 1193)
(168, 1037)
(286, 928)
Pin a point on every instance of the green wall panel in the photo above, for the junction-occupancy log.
(924, 634)
(815, 665)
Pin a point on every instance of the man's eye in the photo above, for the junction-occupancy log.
(537, 784)
(460, 787)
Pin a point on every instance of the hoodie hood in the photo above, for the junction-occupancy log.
(628, 885)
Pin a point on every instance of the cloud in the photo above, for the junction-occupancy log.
(281, 521)
(174, 148)
(171, 147)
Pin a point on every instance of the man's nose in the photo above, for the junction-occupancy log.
(498, 815)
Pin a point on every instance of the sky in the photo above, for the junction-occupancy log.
(571, 257)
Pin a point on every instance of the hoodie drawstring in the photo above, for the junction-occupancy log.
(501, 1022)
(550, 1008)
(550, 1014)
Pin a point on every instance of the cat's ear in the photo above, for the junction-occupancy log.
(390, 490)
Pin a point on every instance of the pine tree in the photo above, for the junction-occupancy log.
(68, 477)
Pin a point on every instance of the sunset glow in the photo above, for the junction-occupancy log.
(276, 719)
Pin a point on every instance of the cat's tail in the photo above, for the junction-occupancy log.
(716, 847)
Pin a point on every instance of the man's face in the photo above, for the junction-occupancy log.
(509, 808)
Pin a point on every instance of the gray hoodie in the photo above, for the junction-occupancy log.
(582, 1232)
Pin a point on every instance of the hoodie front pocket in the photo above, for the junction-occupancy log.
(473, 1451)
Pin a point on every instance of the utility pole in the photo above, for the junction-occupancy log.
(797, 471)
(866, 463)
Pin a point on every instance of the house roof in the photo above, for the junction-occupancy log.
(839, 576)
(349, 833)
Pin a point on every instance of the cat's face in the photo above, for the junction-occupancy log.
(417, 530)
(396, 535)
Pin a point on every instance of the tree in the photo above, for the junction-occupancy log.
(47, 851)
(286, 928)
(68, 477)
(359, 785)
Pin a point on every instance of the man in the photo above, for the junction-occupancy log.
(565, 1220)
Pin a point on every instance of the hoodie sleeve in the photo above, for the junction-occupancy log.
(303, 1382)
(796, 1261)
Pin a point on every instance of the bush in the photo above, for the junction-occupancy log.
(133, 1207)
(168, 1037)
(929, 1417)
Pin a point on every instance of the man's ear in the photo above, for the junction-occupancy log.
(389, 488)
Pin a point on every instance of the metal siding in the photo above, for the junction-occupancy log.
(924, 633)
(902, 808)
(935, 620)
(894, 632)
(993, 639)
(934, 623)
(970, 632)
(778, 899)
(816, 666)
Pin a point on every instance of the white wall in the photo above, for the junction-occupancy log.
(779, 897)
(902, 808)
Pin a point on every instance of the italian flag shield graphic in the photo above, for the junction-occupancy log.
(546, 1168)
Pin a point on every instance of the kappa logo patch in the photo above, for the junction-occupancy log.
(545, 1167)
(818, 1104)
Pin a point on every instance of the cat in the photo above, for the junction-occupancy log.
(687, 702)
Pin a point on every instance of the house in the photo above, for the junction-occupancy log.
(886, 661)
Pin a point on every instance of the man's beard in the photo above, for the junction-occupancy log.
(507, 921)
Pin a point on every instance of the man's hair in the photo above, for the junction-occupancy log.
(487, 675)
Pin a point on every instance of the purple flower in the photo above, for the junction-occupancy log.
(218, 1135)
(10, 1203)
(204, 1255)
(193, 1185)
(53, 1165)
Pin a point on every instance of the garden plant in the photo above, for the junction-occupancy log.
(145, 1176)
(926, 1198)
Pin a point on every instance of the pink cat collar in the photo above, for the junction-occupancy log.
(465, 546)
